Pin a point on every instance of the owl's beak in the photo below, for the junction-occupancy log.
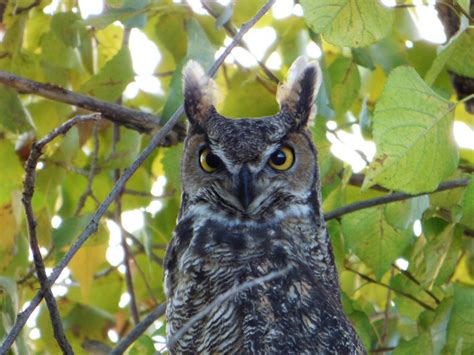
(244, 186)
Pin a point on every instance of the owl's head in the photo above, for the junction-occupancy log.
(250, 167)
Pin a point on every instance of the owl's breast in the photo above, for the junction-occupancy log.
(207, 258)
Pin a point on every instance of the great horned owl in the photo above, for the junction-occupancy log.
(251, 206)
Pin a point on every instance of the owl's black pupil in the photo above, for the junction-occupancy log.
(278, 158)
(213, 160)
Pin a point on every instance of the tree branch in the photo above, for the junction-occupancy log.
(231, 31)
(29, 188)
(138, 330)
(134, 119)
(118, 187)
(396, 196)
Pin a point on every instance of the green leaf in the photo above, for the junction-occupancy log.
(468, 205)
(345, 84)
(65, 26)
(451, 258)
(171, 163)
(201, 50)
(126, 150)
(461, 323)
(461, 59)
(412, 129)
(55, 53)
(349, 23)
(402, 214)
(11, 176)
(434, 253)
(110, 82)
(457, 56)
(247, 98)
(47, 115)
(366, 116)
(245, 10)
(363, 57)
(13, 115)
(36, 26)
(169, 32)
(373, 240)
(418, 345)
(69, 230)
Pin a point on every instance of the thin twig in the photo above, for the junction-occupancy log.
(32, 270)
(68, 167)
(412, 278)
(141, 248)
(29, 188)
(386, 313)
(138, 330)
(142, 274)
(223, 298)
(92, 171)
(118, 210)
(400, 292)
(116, 190)
(396, 196)
(232, 32)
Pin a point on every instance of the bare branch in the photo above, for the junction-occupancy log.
(29, 188)
(137, 120)
(138, 330)
(396, 196)
(127, 174)
(221, 299)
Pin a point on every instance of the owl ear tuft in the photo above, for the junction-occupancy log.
(198, 91)
(296, 95)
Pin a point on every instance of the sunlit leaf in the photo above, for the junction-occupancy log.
(412, 129)
(109, 83)
(457, 56)
(402, 214)
(349, 23)
(345, 83)
(11, 176)
(373, 240)
(8, 235)
(461, 322)
(85, 264)
(200, 49)
(468, 205)
(13, 115)
(66, 27)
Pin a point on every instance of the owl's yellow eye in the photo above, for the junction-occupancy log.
(282, 159)
(209, 162)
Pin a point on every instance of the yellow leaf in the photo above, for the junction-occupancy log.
(85, 264)
(8, 233)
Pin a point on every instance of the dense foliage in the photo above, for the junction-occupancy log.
(405, 292)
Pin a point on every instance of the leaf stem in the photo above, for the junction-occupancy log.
(465, 99)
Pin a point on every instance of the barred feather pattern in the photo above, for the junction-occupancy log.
(300, 312)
